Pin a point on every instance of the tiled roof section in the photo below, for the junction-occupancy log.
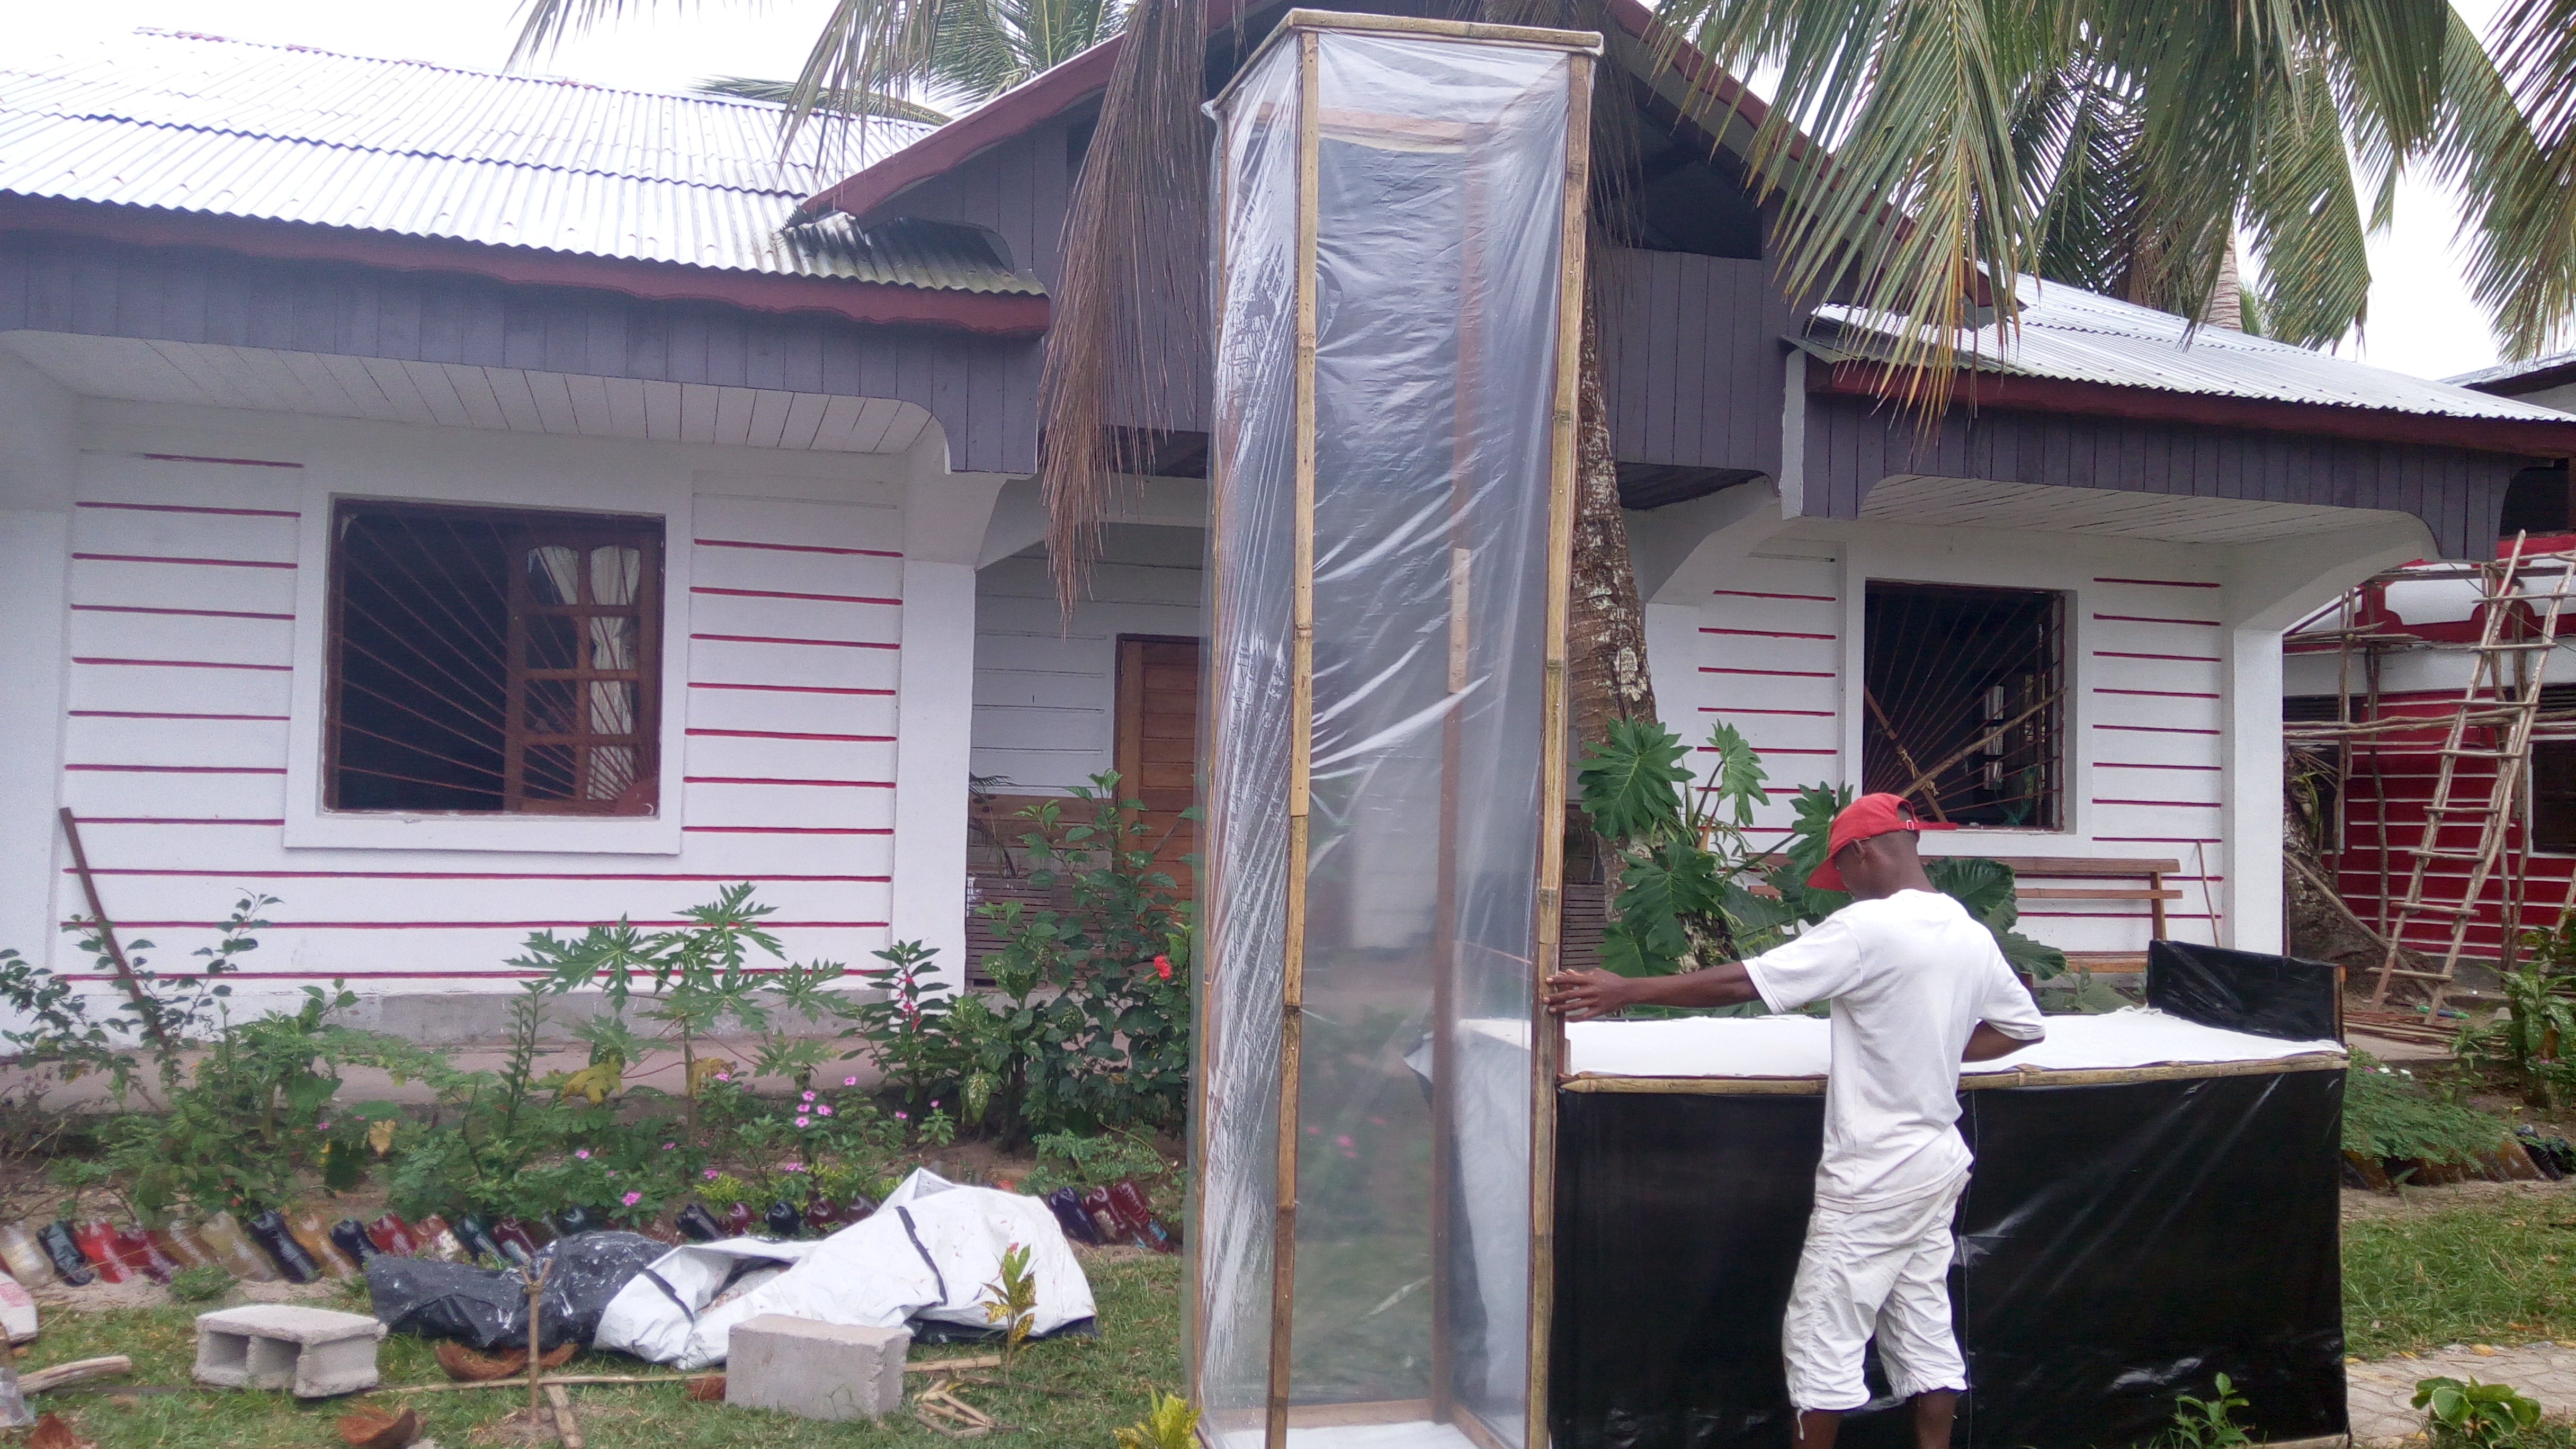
(2071, 335)
(284, 133)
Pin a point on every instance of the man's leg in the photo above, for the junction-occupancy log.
(1817, 1427)
(1845, 1273)
(1932, 1415)
(1916, 1344)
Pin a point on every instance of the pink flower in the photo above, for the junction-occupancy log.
(1342, 1141)
(934, 1104)
(724, 1076)
(791, 1167)
(825, 1109)
(804, 1121)
(632, 1198)
(321, 1126)
(583, 1154)
(710, 1174)
(668, 1146)
(903, 1116)
(809, 1096)
(849, 1081)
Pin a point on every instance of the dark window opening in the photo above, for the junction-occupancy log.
(2536, 501)
(1966, 702)
(2317, 709)
(2553, 796)
(1685, 200)
(489, 661)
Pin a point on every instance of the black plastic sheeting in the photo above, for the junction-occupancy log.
(487, 1308)
(2274, 996)
(2121, 1244)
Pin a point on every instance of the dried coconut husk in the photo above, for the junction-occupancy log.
(52, 1433)
(707, 1390)
(473, 1366)
(379, 1429)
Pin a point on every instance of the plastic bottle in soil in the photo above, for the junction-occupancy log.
(233, 1248)
(475, 1237)
(181, 1246)
(14, 1413)
(293, 1262)
(392, 1235)
(350, 1236)
(858, 1209)
(782, 1219)
(314, 1235)
(518, 1239)
(1066, 1204)
(739, 1220)
(698, 1225)
(56, 1239)
(575, 1219)
(1136, 1212)
(135, 1247)
(26, 1257)
(436, 1239)
(822, 1215)
(1104, 1218)
(98, 1244)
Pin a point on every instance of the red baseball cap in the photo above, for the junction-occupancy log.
(1867, 816)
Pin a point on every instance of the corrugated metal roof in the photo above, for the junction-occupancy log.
(2505, 372)
(2072, 335)
(285, 133)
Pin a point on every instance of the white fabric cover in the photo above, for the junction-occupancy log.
(1798, 1046)
(867, 1275)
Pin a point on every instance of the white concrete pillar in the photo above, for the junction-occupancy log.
(2250, 795)
(934, 717)
(38, 456)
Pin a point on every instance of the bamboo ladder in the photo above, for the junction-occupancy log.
(2503, 693)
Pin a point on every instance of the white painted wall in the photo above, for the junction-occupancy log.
(789, 587)
(1046, 691)
(38, 456)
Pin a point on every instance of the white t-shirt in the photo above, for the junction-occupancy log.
(1909, 976)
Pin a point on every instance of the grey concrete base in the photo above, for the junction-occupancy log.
(313, 1352)
(815, 1370)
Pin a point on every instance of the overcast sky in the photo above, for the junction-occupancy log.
(2421, 318)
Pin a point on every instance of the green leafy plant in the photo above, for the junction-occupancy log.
(1081, 1160)
(2529, 1036)
(2472, 1413)
(74, 1031)
(901, 1026)
(1170, 1422)
(1011, 1303)
(203, 1283)
(2208, 1423)
(2388, 1114)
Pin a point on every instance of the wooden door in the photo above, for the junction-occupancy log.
(1158, 741)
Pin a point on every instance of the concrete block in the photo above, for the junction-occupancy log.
(313, 1352)
(815, 1370)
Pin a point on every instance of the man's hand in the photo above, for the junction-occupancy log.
(1583, 995)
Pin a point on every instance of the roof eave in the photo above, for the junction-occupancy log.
(869, 303)
(2533, 438)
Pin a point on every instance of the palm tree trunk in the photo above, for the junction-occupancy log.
(1607, 650)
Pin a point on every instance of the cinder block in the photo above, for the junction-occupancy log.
(314, 1352)
(815, 1370)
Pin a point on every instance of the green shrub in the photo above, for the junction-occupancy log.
(203, 1283)
(2387, 1113)
(2472, 1414)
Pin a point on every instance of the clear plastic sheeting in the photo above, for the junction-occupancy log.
(1436, 214)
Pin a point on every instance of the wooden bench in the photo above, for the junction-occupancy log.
(2105, 880)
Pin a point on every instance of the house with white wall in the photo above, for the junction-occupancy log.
(460, 504)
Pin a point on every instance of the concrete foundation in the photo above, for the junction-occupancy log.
(815, 1370)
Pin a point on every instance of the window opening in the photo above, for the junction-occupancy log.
(493, 661)
(2553, 796)
(1965, 691)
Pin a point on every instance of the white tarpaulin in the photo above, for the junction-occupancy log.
(927, 1254)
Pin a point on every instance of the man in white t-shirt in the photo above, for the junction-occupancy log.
(1917, 987)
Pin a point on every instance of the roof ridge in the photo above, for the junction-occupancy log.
(452, 68)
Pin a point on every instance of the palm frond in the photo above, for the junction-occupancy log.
(777, 92)
(2303, 215)
(2517, 165)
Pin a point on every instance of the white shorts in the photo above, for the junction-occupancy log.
(1880, 1271)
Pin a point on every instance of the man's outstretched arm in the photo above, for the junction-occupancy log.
(1583, 995)
(1985, 1044)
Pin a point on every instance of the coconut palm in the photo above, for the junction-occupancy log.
(2526, 249)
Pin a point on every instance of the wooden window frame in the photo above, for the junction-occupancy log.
(2053, 722)
(523, 530)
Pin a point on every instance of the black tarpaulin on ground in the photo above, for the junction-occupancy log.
(487, 1308)
(2275, 996)
(2120, 1244)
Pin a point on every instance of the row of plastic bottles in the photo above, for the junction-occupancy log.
(1118, 1213)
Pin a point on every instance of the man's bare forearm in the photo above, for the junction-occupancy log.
(1725, 984)
(1985, 1044)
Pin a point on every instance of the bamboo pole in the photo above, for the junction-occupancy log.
(1547, 1035)
(107, 932)
(1301, 744)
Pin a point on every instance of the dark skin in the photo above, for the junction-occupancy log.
(1873, 869)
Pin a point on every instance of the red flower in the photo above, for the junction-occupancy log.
(1163, 967)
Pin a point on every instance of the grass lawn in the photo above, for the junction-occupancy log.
(1070, 1392)
(2494, 1272)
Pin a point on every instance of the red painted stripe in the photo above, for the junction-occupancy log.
(766, 925)
(1768, 634)
(182, 769)
(196, 508)
(485, 875)
(796, 548)
(2156, 729)
(773, 639)
(2110, 915)
(498, 974)
(1738, 709)
(787, 688)
(235, 462)
(191, 613)
(1770, 750)
(795, 735)
(2152, 619)
(185, 664)
(1774, 673)
(2132, 765)
(2126, 654)
(2169, 804)
(760, 780)
(784, 594)
(2159, 839)
(168, 820)
(164, 714)
(2158, 583)
(2158, 693)
(1756, 594)
(221, 563)
(769, 829)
